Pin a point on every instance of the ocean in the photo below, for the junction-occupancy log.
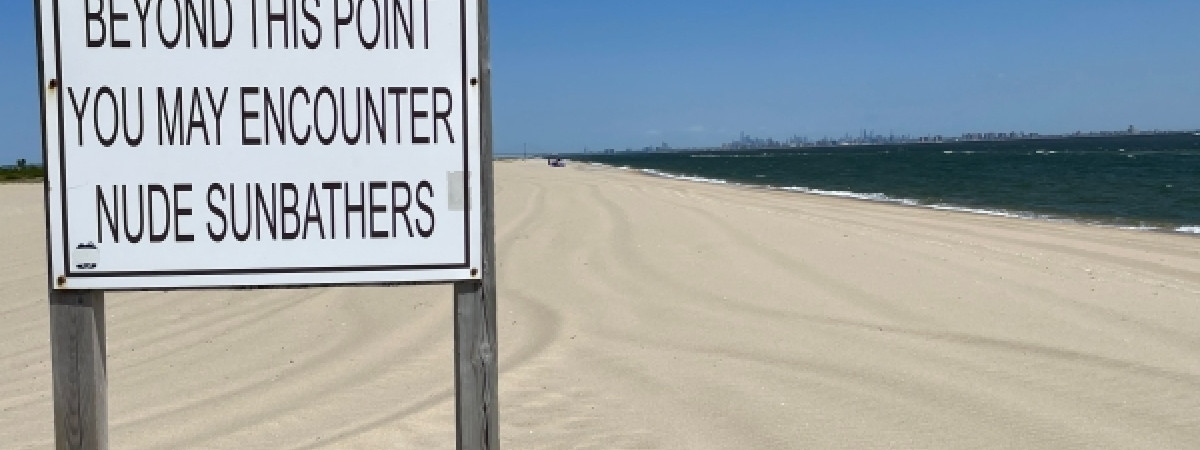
(1144, 182)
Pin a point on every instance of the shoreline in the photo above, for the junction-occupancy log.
(880, 198)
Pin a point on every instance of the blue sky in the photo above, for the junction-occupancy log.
(618, 74)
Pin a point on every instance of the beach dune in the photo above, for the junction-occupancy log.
(638, 312)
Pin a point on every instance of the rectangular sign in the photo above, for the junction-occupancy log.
(208, 143)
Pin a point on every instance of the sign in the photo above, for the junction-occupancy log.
(208, 143)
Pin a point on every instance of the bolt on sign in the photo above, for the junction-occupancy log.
(206, 143)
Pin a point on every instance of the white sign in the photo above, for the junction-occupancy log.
(203, 143)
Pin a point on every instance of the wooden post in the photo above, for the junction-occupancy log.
(80, 370)
(476, 377)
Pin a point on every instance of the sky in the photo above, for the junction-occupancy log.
(575, 75)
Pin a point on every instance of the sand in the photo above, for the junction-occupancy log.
(639, 312)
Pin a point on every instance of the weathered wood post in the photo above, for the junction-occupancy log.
(475, 350)
(80, 372)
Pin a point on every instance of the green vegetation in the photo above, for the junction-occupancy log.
(22, 170)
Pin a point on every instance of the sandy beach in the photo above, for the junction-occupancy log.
(638, 312)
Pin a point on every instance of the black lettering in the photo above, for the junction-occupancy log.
(405, 21)
(263, 209)
(113, 18)
(166, 200)
(273, 17)
(133, 238)
(312, 212)
(233, 213)
(288, 209)
(215, 236)
(362, 38)
(339, 21)
(271, 115)
(332, 187)
(313, 42)
(197, 20)
(107, 217)
(359, 208)
(295, 25)
(376, 115)
(358, 120)
(442, 115)
(374, 185)
(223, 42)
(177, 122)
(196, 117)
(401, 209)
(180, 211)
(218, 109)
(254, 23)
(106, 91)
(133, 141)
(80, 108)
(173, 41)
(248, 115)
(325, 91)
(143, 14)
(417, 114)
(398, 92)
(96, 16)
(299, 140)
(424, 185)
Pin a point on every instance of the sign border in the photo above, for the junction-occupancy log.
(249, 277)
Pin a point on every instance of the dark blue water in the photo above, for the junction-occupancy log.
(1136, 181)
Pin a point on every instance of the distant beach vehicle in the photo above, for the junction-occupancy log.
(556, 162)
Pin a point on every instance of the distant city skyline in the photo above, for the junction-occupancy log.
(868, 137)
(568, 74)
